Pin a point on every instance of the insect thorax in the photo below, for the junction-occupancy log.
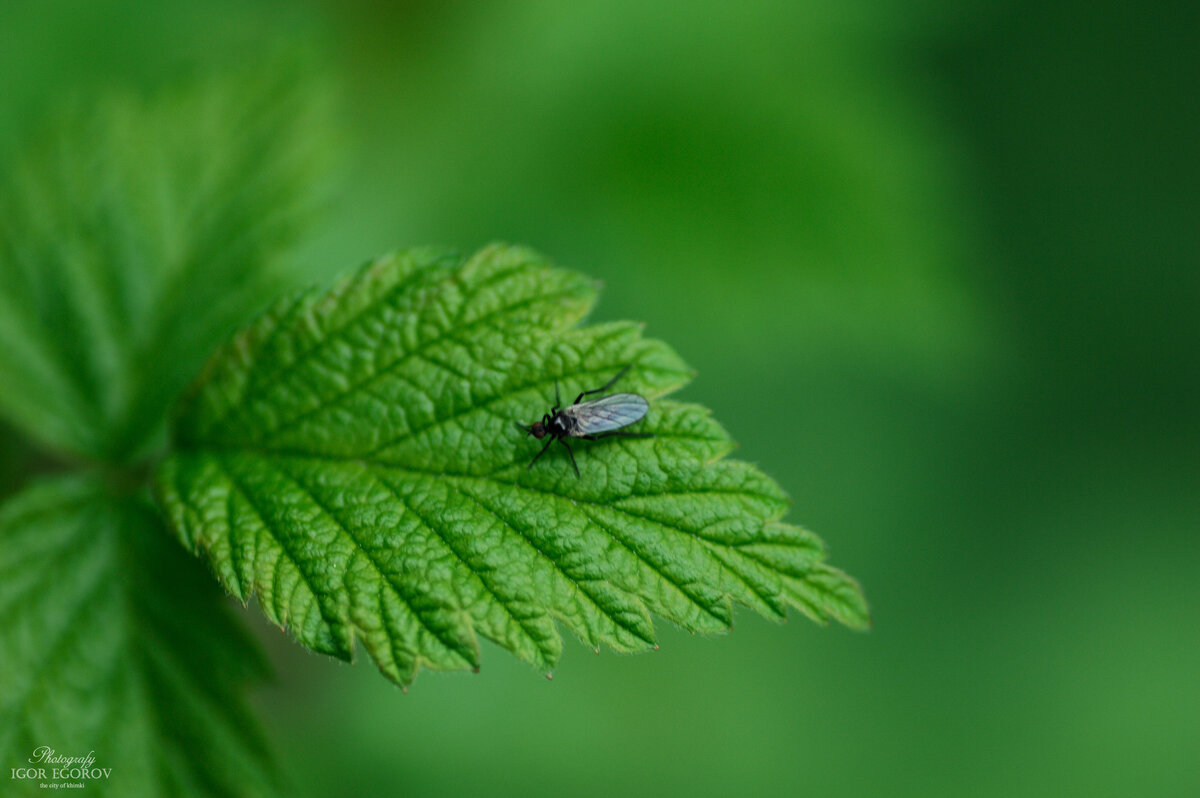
(562, 424)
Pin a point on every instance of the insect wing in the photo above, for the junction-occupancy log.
(608, 413)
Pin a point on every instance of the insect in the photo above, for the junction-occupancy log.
(590, 420)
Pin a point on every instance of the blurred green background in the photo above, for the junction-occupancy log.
(938, 267)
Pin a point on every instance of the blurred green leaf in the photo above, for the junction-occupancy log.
(353, 458)
(116, 642)
(135, 235)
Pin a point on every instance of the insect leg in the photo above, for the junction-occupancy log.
(557, 400)
(606, 385)
(563, 441)
(539, 454)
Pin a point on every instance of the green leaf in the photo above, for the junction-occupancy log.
(115, 641)
(353, 459)
(135, 236)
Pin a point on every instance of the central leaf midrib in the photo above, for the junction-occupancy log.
(709, 544)
(300, 454)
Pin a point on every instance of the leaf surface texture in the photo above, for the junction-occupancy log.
(352, 458)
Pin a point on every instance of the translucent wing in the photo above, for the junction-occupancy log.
(608, 413)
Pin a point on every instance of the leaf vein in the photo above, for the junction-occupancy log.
(396, 585)
(262, 434)
(327, 338)
(477, 573)
(331, 623)
(578, 584)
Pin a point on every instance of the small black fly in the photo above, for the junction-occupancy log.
(590, 420)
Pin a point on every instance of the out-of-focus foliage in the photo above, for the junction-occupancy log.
(103, 620)
(134, 237)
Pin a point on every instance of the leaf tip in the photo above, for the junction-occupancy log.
(862, 622)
